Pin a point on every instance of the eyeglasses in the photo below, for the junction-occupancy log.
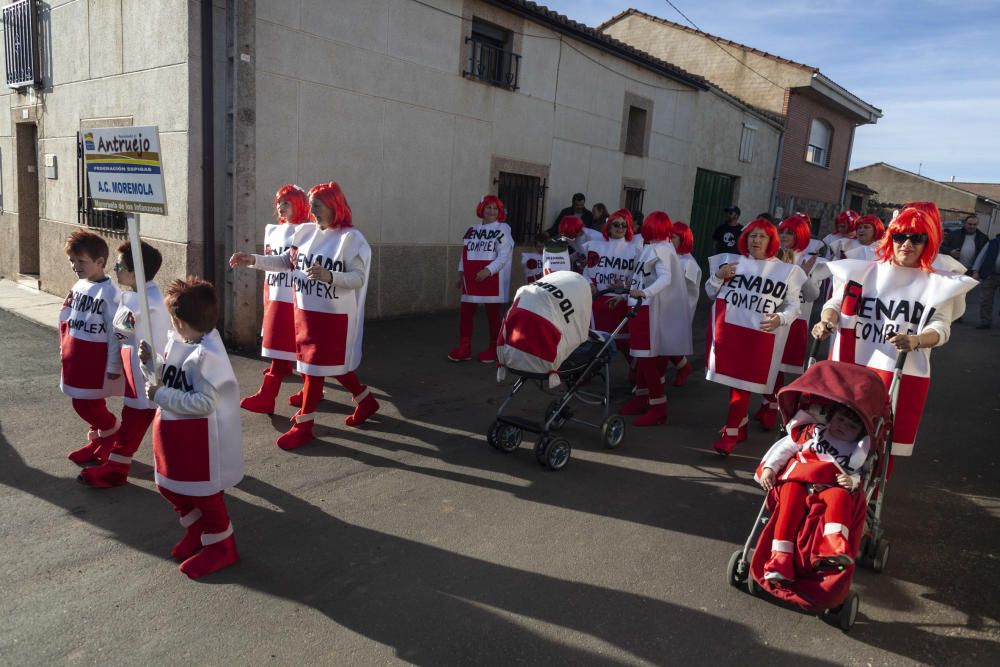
(620, 225)
(915, 239)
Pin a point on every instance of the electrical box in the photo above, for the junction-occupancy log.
(50, 166)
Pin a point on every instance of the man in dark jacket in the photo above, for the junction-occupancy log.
(986, 269)
(579, 209)
(966, 243)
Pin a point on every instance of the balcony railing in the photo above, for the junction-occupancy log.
(20, 32)
(489, 63)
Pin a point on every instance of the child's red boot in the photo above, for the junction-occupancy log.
(295, 400)
(488, 356)
(768, 417)
(780, 568)
(683, 372)
(191, 542)
(98, 448)
(833, 551)
(263, 401)
(730, 438)
(300, 434)
(656, 414)
(463, 352)
(367, 406)
(218, 551)
(107, 475)
(638, 405)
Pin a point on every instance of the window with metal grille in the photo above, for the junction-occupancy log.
(490, 58)
(86, 214)
(633, 198)
(523, 200)
(818, 150)
(746, 143)
(20, 41)
(635, 131)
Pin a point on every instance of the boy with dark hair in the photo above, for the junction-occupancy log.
(138, 411)
(197, 440)
(91, 367)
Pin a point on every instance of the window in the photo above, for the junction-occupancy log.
(86, 214)
(818, 151)
(746, 143)
(633, 198)
(635, 131)
(523, 200)
(20, 36)
(490, 58)
(856, 203)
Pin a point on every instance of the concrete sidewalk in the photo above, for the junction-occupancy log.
(31, 304)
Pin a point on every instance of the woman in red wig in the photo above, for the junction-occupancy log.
(683, 240)
(868, 230)
(843, 230)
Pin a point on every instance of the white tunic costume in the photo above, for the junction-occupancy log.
(128, 330)
(278, 329)
(662, 325)
(531, 266)
(197, 439)
(87, 343)
(692, 280)
(611, 263)
(487, 246)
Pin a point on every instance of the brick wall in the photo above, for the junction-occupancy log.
(801, 179)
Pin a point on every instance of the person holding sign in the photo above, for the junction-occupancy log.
(683, 240)
(484, 277)
(138, 411)
(88, 346)
(291, 207)
(755, 300)
(898, 303)
(328, 262)
(661, 327)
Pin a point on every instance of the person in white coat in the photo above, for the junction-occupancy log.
(683, 240)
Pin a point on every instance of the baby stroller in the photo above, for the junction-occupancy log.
(545, 340)
(828, 592)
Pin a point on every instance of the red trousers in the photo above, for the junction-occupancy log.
(95, 412)
(312, 390)
(281, 367)
(649, 375)
(792, 509)
(494, 314)
(214, 517)
(135, 423)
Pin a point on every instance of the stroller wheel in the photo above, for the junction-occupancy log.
(613, 431)
(560, 420)
(848, 612)
(508, 438)
(540, 446)
(881, 555)
(491, 435)
(557, 453)
(737, 570)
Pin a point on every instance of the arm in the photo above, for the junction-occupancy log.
(353, 278)
(659, 283)
(282, 262)
(788, 311)
(978, 264)
(504, 253)
(190, 403)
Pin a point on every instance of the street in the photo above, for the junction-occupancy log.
(410, 540)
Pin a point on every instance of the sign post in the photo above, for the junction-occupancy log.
(124, 173)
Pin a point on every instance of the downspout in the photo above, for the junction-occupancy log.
(777, 173)
(207, 145)
(847, 169)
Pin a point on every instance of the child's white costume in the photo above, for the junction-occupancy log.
(531, 266)
(278, 328)
(88, 345)
(811, 455)
(127, 328)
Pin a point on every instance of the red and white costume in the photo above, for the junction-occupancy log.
(278, 329)
(662, 325)
(692, 281)
(555, 257)
(531, 266)
(611, 263)
(793, 358)
(486, 246)
(876, 300)
(87, 341)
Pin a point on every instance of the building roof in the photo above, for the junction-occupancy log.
(987, 190)
(562, 24)
(953, 186)
(860, 187)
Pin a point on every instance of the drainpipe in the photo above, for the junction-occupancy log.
(207, 145)
(777, 173)
(847, 168)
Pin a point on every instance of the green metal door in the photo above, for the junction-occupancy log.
(712, 193)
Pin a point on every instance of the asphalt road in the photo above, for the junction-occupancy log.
(412, 541)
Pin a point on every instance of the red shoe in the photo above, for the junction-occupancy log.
(780, 568)
(263, 401)
(300, 434)
(768, 418)
(657, 414)
(85, 454)
(213, 557)
(99, 447)
(683, 372)
(367, 406)
(833, 552)
(730, 438)
(463, 352)
(105, 475)
(191, 542)
(295, 400)
(760, 411)
(488, 356)
(637, 406)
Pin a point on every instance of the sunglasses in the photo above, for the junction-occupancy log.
(620, 225)
(915, 239)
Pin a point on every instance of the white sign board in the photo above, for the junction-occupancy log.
(124, 169)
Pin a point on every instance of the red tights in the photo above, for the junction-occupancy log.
(649, 376)
(214, 517)
(494, 314)
(312, 391)
(135, 423)
(281, 367)
(95, 412)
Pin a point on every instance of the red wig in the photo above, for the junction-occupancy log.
(800, 226)
(491, 199)
(687, 238)
(570, 226)
(875, 222)
(299, 201)
(914, 219)
(333, 198)
(624, 214)
(657, 227)
(773, 242)
(849, 218)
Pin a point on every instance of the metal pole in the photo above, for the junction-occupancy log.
(145, 323)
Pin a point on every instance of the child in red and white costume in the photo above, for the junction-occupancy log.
(844, 229)
(531, 262)
(484, 277)
(329, 262)
(755, 298)
(611, 262)
(88, 346)
(683, 239)
(662, 325)
(197, 439)
(828, 457)
(138, 411)
(291, 207)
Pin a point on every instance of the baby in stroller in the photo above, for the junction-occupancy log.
(825, 459)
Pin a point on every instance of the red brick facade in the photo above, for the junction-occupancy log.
(804, 180)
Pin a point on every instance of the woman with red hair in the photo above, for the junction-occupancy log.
(484, 277)
(328, 262)
(662, 325)
(898, 303)
(291, 208)
(611, 261)
(868, 230)
(683, 240)
(843, 230)
(755, 299)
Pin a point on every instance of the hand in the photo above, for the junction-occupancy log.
(151, 391)
(845, 481)
(767, 477)
(317, 272)
(904, 342)
(483, 275)
(241, 260)
(975, 275)
(820, 332)
(114, 376)
(956, 253)
(770, 322)
(593, 289)
(615, 300)
(726, 272)
(637, 294)
(145, 351)
(808, 264)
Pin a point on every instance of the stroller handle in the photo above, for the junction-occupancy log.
(813, 351)
(900, 361)
(611, 290)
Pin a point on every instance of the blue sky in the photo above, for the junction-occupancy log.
(932, 66)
